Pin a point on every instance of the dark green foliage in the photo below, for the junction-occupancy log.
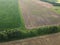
(53, 29)
(12, 34)
(52, 2)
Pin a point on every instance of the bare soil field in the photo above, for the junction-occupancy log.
(52, 39)
(37, 14)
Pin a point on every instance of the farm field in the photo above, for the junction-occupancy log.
(36, 15)
(32, 14)
(21, 19)
(56, 9)
(55, 5)
(9, 14)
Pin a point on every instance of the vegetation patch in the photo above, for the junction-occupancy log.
(13, 34)
(56, 5)
(56, 9)
(9, 14)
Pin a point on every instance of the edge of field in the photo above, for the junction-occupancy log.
(21, 16)
(43, 40)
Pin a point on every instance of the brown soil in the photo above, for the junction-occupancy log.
(53, 39)
(36, 13)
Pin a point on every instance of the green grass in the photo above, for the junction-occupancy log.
(57, 9)
(58, 0)
(10, 15)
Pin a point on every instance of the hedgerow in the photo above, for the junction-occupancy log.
(13, 34)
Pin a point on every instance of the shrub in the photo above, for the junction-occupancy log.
(12, 34)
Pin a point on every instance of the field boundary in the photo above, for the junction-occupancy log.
(40, 40)
(21, 16)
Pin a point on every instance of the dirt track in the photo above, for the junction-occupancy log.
(53, 39)
(37, 14)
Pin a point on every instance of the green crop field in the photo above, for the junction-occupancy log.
(58, 0)
(10, 14)
(56, 9)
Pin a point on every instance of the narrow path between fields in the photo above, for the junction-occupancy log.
(36, 13)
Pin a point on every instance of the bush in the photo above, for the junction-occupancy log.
(12, 34)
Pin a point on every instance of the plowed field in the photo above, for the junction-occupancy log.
(37, 14)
